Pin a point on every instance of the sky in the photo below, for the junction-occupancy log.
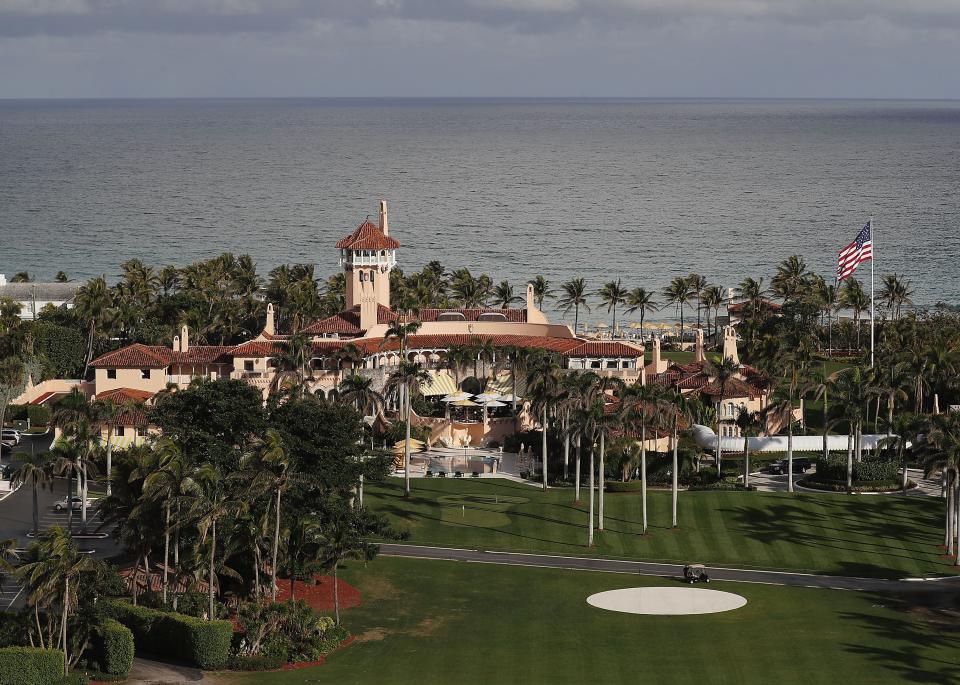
(475, 48)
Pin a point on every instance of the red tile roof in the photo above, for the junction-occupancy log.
(604, 349)
(135, 356)
(347, 322)
(735, 388)
(511, 315)
(121, 395)
(367, 236)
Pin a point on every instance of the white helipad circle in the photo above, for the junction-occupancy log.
(666, 601)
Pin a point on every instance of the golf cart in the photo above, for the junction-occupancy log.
(695, 573)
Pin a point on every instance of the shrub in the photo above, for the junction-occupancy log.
(30, 666)
(114, 648)
(205, 644)
(259, 662)
(288, 631)
(869, 470)
(620, 486)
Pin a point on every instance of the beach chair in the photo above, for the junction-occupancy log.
(474, 475)
(458, 474)
(441, 474)
(429, 474)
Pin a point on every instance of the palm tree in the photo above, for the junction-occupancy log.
(407, 379)
(107, 411)
(750, 424)
(678, 293)
(722, 373)
(942, 451)
(291, 366)
(359, 391)
(851, 388)
(677, 406)
(214, 504)
(906, 428)
(402, 331)
(791, 278)
(640, 403)
(894, 293)
(751, 294)
(504, 295)
(33, 469)
(856, 298)
(543, 387)
(613, 294)
(92, 305)
(172, 482)
(341, 539)
(639, 300)
(712, 298)
(697, 285)
(541, 290)
(574, 296)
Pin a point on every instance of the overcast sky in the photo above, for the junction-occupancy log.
(642, 48)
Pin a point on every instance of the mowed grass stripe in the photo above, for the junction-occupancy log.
(881, 536)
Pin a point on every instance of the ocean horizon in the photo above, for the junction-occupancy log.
(642, 189)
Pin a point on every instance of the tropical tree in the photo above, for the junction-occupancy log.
(342, 539)
(543, 386)
(894, 293)
(541, 290)
(790, 281)
(641, 403)
(750, 424)
(613, 294)
(106, 411)
(697, 285)
(942, 452)
(642, 301)
(291, 365)
(33, 470)
(92, 305)
(274, 456)
(722, 373)
(854, 297)
(574, 297)
(406, 380)
(712, 299)
(853, 394)
(214, 504)
(504, 295)
(679, 293)
(358, 390)
(678, 408)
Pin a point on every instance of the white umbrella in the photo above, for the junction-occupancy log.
(487, 396)
(457, 397)
(494, 403)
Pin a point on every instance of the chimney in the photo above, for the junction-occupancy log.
(3, 279)
(269, 328)
(531, 300)
(698, 355)
(184, 338)
(176, 343)
(384, 223)
(730, 344)
(659, 365)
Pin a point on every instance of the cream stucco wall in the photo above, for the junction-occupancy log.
(130, 378)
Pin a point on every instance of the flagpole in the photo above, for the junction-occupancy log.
(873, 258)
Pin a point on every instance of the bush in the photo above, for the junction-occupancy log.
(114, 648)
(869, 470)
(288, 631)
(193, 604)
(206, 644)
(30, 666)
(259, 662)
(620, 486)
(37, 413)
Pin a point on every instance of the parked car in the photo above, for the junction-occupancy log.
(76, 502)
(10, 434)
(800, 465)
(6, 446)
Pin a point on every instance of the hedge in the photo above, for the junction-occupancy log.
(205, 644)
(867, 470)
(37, 413)
(30, 666)
(114, 648)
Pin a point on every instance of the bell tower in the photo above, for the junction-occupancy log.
(367, 256)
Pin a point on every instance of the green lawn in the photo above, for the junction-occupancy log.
(438, 622)
(879, 536)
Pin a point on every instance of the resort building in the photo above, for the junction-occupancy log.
(355, 341)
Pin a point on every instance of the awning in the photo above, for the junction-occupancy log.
(503, 386)
(442, 385)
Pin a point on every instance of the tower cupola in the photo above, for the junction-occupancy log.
(367, 256)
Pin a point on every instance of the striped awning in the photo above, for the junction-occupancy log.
(442, 385)
(504, 386)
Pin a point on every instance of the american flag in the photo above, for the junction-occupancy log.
(854, 254)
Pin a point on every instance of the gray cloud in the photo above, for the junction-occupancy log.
(84, 17)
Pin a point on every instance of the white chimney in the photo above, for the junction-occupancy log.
(3, 279)
(531, 297)
(270, 328)
(176, 343)
(184, 338)
(384, 223)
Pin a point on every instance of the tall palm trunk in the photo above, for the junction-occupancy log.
(176, 556)
(545, 447)
(213, 550)
(675, 490)
(276, 546)
(83, 496)
(901, 445)
(576, 473)
(601, 479)
(566, 447)
(109, 458)
(166, 549)
(643, 473)
(790, 451)
(36, 511)
(949, 524)
(746, 460)
(590, 527)
(63, 623)
(336, 594)
(717, 456)
(405, 393)
(850, 458)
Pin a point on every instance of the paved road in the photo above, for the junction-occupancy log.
(667, 570)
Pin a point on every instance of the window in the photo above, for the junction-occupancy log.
(142, 432)
(145, 374)
(112, 374)
(595, 364)
(119, 431)
(248, 365)
(611, 365)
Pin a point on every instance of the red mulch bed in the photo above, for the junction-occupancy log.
(321, 662)
(319, 593)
